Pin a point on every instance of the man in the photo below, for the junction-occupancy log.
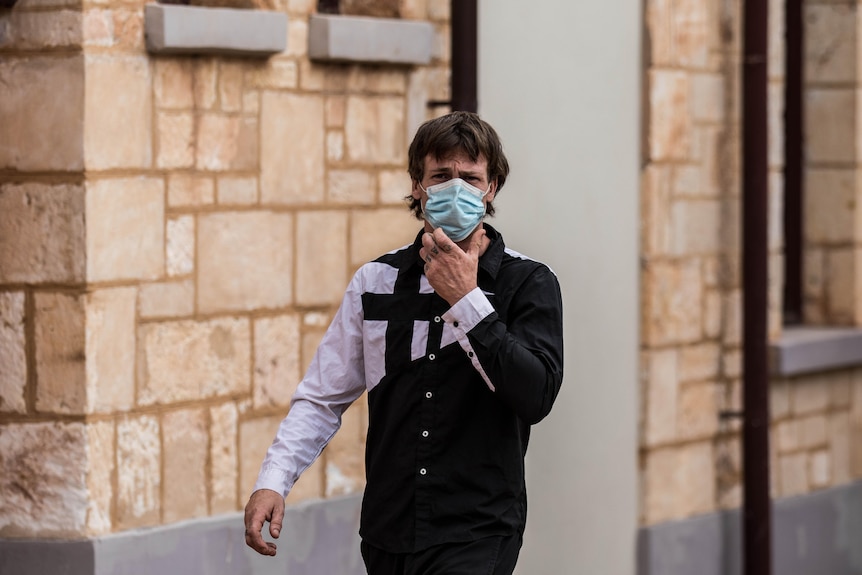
(458, 341)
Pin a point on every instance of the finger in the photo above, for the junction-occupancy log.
(254, 539)
(476, 242)
(442, 241)
(275, 523)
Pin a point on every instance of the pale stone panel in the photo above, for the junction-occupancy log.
(125, 229)
(656, 228)
(43, 481)
(186, 439)
(351, 187)
(793, 472)
(13, 350)
(831, 43)
(301, 7)
(237, 191)
(175, 132)
(376, 232)
(255, 437)
(841, 389)
(335, 146)
(417, 101)
(138, 472)
(732, 306)
(335, 110)
(310, 342)
(439, 10)
(821, 469)
(40, 30)
(226, 143)
(100, 471)
(843, 286)
(60, 353)
(661, 391)
(345, 456)
(41, 233)
(118, 130)
(172, 83)
(830, 125)
(810, 394)
(779, 399)
(274, 74)
(180, 246)
(41, 131)
(223, 458)
(190, 191)
(205, 78)
(381, 80)
(699, 362)
(276, 360)
(708, 98)
(712, 314)
(679, 482)
(312, 78)
(787, 436)
(373, 130)
(110, 350)
(395, 185)
(839, 447)
(672, 296)
(830, 199)
(245, 261)
(251, 102)
(669, 120)
(321, 257)
(297, 37)
(292, 149)
(98, 27)
(189, 360)
(230, 86)
(697, 415)
(414, 9)
(310, 484)
(678, 32)
(696, 227)
(776, 210)
(813, 431)
(685, 180)
(129, 29)
(731, 363)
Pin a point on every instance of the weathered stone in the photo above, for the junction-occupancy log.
(699, 362)
(354, 187)
(166, 299)
(732, 312)
(255, 437)
(205, 77)
(843, 285)
(181, 246)
(830, 125)
(395, 185)
(42, 132)
(98, 27)
(100, 471)
(375, 232)
(223, 458)
(374, 8)
(292, 149)
(335, 109)
(377, 80)
(60, 353)
(118, 127)
(237, 191)
(13, 350)
(821, 469)
(276, 360)
(655, 210)
(129, 29)
(679, 482)
(311, 339)
(660, 393)
(190, 191)
(173, 83)
(138, 472)
(311, 484)
(373, 130)
(43, 481)
(697, 415)
(40, 30)
(672, 307)
(439, 10)
(787, 436)
(345, 456)
(839, 447)
(185, 455)
(273, 74)
(696, 227)
(669, 122)
(712, 314)
(245, 261)
(313, 77)
(775, 125)
(251, 102)
(793, 471)
(301, 7)
(297, 38)
(810, 394)
(335, 146)
(708, 98)
(414, 9)
(125, 229)
(678, 32)
(321, 264)
(830, 205)
(189, 360)
(813, 431)
(831, 51)
(779, 399)
(230, 85)
(841, 391)
(110, 350)
(226, 143)
(176, 140)
(731, 363)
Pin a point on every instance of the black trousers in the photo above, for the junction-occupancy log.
(488, 556)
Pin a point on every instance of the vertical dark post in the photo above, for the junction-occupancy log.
(757, 508)
(465, 31)
(794, 171)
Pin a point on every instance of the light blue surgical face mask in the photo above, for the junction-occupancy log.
(455, 206)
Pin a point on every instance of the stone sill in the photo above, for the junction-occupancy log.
(177, 29)
(806, 349)
(360, 39)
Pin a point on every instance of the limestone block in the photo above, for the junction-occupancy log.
(813, 276)
(251, 102)
(230, 86)
(125, 229)
(237, 191)
(273, 74)
(226, 143)
(311, 339)
(255, 437)
(245, 261)
(301, 7)
(779, 399)
(166, 299)
(394, 185)
(775, 50)
(813, 431)
(708, 98)
(297, 38)
(351, 187)
(223, 458)
(810, 394)
(98, 27)
(656, 226)
(60, 353)
(821, 469)
(276, 360)
(787, 436)
(699, 362)
(321, 260)
(100, 473)
(439, 10)
(13, 350)
(292, 149)
(110, 349)
(669, 121)
(712, 314)
(205, 83)
(181, 246)
(830, 125)
(175, 133)
(776, 211)
(173, 86)
(731, 363)
(129, 29)
(335, 109)
(186, 190)
(672, 295)
(842, 285)
(696, 227)
(414, 9)
(678, 32)
(41, 233)
(345, 456)
(42, 132)
(382, 80)
(830, 205)
(839, 447)
(310, 484)
(44, 480)
(375, 232)
(186, 441)
(118, 128)
(841, 390)
(831, 43)
(732, 312)
(697, 415)
(138, 472)
(793, 473)
(374, 130)
(660, 393)
(335, 146)
(40, 30)
(314, 78)
(679, 482)
(189, 360)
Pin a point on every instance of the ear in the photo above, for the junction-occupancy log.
(416, 191)
(492, 191)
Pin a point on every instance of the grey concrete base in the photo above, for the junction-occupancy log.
(176, 29)
(318, 538)
(367, 40)
(812, 534)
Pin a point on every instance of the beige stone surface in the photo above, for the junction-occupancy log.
(660, 394)
(224, 465)
(712, 314)
(40, 30)
(708, 100)
(129, 29)
(697, 415)
(138, 472)
(311, 484)
(255, 437)
(414, 9)
(274, 74)
(335, 108)
(100, 473)
(192, 360)
(839, 447)
(376, 232)
(787, 436)
(732, 317)
(669, 129)
(110, 349)
(251, 102)
(821, 469)
(125, 229)
(44, 480)
(335, 146)
(810, 394)
(793, 473)
(175, 133)
(226, 143)
(276, 360)
(186, 440)
(42, 132)
(672, 302)
(97, 28)
(394, 186)
(230, 85)
(118, 130)
(311, 338)
(185, 190)
(180, 249)
(60, 353)
(830, 205)
(831, 36)
(843, 285)
(656, 228)
(679, 482)
(373, 130)
(13, 350)
(292, 149)
(240, 191)
(813, 431)
(345, 456)
(696, 227)
(352, 187)
(321, 257)
(166, 299)
(830, 125)
(245, 261)
(297, 37)
(841, 389)
(173, 86)
(779, 399)
(204, 82)
(677, 32)
(699, 362)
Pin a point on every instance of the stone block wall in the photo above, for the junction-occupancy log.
(175, 236)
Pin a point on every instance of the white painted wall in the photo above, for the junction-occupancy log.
(560, 80)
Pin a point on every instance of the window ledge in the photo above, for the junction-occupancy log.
(361, 39)
(177, 29)
(806, 349)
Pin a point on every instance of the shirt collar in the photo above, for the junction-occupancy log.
(488, 262)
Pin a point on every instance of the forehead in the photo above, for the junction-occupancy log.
(458, 160)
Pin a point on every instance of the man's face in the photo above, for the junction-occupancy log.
(455, 165)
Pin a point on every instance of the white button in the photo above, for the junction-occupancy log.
(425, 433)
(428, 395)
(437, 319)
(432, 357)
(423, 471)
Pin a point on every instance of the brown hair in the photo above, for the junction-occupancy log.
(457, 132)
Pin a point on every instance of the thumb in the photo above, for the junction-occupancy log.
(476, 243)
(275, 523)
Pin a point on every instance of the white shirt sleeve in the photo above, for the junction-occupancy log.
(464, 316)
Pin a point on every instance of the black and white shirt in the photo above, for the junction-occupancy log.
(452, 392)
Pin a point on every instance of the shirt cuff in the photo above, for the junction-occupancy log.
(275, 480)
(469, 311)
